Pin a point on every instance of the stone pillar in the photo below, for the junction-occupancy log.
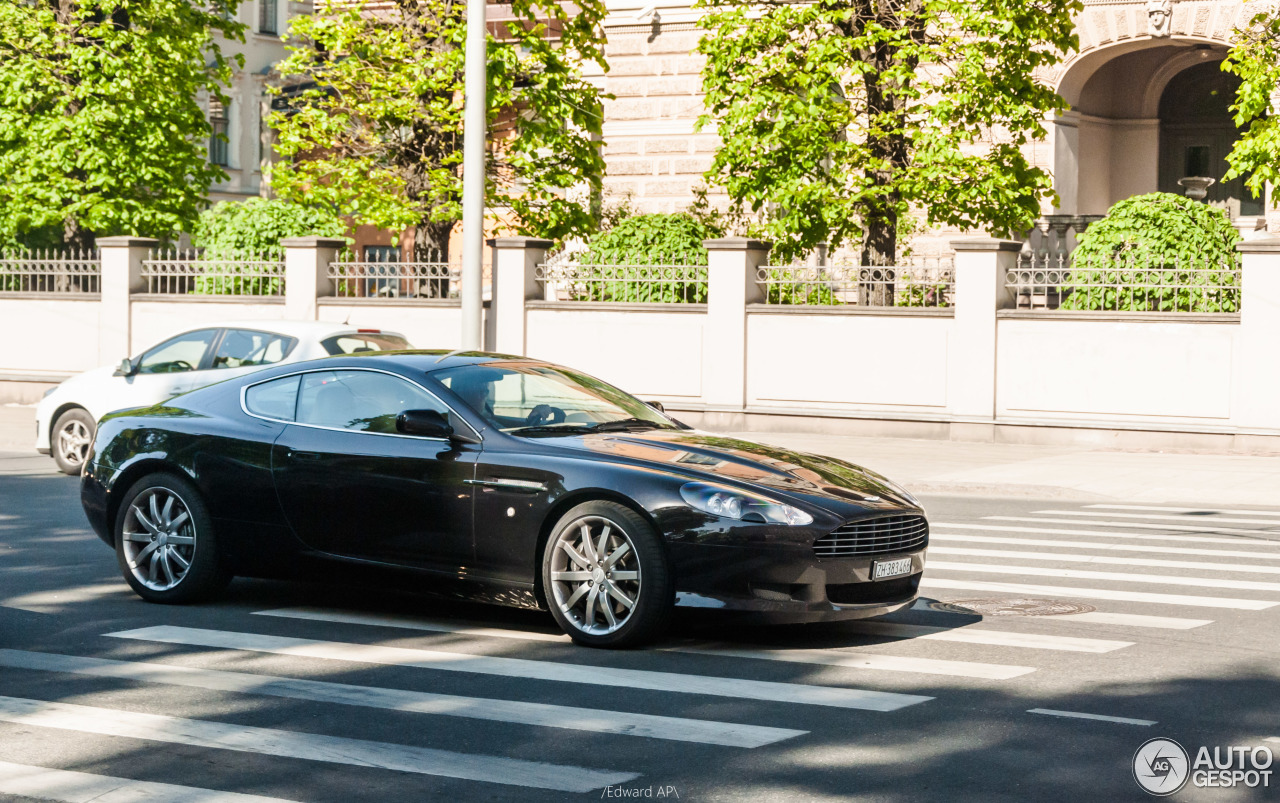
(514, 281)
(121, 275)
(1255, 402)
(980, 270)
(306, 274)
(732, 285)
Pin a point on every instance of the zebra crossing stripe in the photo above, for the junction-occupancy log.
(1108, 560)
(82, 787)
(541, 714)
(1199, 510)
(1100, 593)
(866, 660)
(407, 623)
(1118, 577)
(1143, 526)
(997, 638)
(833, 696)
(1165, 538)
(1100, 618)
(308, 746)
(1096, 717)
(1156, 516)
(1159, 550)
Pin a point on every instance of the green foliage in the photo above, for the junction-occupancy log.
(236, 278)
(921, 295)
(653, 258)
(1157, 252)
(230, 230)
(1255, 58)
(783, 289)
(378, 134)
(100, 128)
(836, 119)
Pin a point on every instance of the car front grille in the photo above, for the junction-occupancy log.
(872, 592)
(877, 536)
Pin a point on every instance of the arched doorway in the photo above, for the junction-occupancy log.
(1197, 132)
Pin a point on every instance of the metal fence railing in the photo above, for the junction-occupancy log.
(190, 272)
(383, 274)
(55, 272)
(926, 282)
(671, 281)
(1124, 284)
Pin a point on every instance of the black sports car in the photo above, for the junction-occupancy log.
(532, 484)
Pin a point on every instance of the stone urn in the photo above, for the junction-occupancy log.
(1197, 187)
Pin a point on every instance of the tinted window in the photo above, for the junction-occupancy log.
(364, 401)
(240, 347)
(274, 399)
(182, 353)
(353, 343)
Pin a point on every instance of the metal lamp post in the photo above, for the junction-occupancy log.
(473, 174)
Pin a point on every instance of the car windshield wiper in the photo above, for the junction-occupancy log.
(555, 429)
(628, 424)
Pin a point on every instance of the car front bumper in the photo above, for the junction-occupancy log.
(779, 586)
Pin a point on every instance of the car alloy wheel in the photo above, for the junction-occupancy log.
(606, 576)
(72, 437)
(165, 542)
(595, 575)
(159, 538)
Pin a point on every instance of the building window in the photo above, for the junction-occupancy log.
(267, 16)
(219, 154)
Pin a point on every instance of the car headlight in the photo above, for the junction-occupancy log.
(734, 504)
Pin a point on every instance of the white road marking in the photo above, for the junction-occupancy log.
(82, 787)
(1159, 550)
(406, 623)
(866, 660)
(1146, 723)
(1141, 526)
(1103, 618)
(1117, 577)
(1272, 739)
(552, 716)
(833, 696)
(998, 638)
(1160, 509)
(1109, 560)
(1198, 539)
(1159, 516)
(1099, 593)
(57, 599)
(308, 746)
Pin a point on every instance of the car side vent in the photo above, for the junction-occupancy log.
(874, 537)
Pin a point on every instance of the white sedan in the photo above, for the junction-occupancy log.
(67, 417)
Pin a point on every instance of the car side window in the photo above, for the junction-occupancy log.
(181, 353)
(275, 399)
(244, 347)
(362, 401)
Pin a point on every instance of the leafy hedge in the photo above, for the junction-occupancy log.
(253, 230)
(641, 241)
(1185, 248)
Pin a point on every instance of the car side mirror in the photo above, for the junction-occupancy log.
(127, 368)
(424, 423)
(657, 406)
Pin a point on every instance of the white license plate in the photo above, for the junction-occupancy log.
(890, 568)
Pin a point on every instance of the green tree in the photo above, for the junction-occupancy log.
(376, 129)
(838, 117)
(255, 227)
(101, 130)
(1255, 58)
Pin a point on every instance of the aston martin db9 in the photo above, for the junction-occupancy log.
(527, 483)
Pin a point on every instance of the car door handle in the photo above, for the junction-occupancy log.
(298, 455)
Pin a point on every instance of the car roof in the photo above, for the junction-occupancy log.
(425, 360)
(299, 329)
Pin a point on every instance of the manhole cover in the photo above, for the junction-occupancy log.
(1014, 606)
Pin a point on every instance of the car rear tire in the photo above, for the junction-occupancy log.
(70, 439)
(606, 576)
(165, 542)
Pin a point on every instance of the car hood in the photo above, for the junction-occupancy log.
(716, 457)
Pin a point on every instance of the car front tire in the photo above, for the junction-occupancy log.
(71, 438)
(165, 543)
(606, 576)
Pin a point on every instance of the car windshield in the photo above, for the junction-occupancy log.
(540, 399)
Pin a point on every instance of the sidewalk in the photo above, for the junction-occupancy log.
(946, 467)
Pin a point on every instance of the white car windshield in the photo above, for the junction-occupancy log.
(540, 399)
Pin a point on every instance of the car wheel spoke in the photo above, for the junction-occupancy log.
(573, 553)
(571, 576)
(180, 520)
(151, 572)
(146, 522)
(182, 562)
(589, 615)
(616, 555)
(166, 514)
(607, 608)
(144, 538)
(155, 509)
(622, 576)
(181, 540)
(588, 549)
(575, 596)
(165, 568)
(617, 594)
(602, 547)
(145, 553)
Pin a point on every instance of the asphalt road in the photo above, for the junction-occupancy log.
(369, 694)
